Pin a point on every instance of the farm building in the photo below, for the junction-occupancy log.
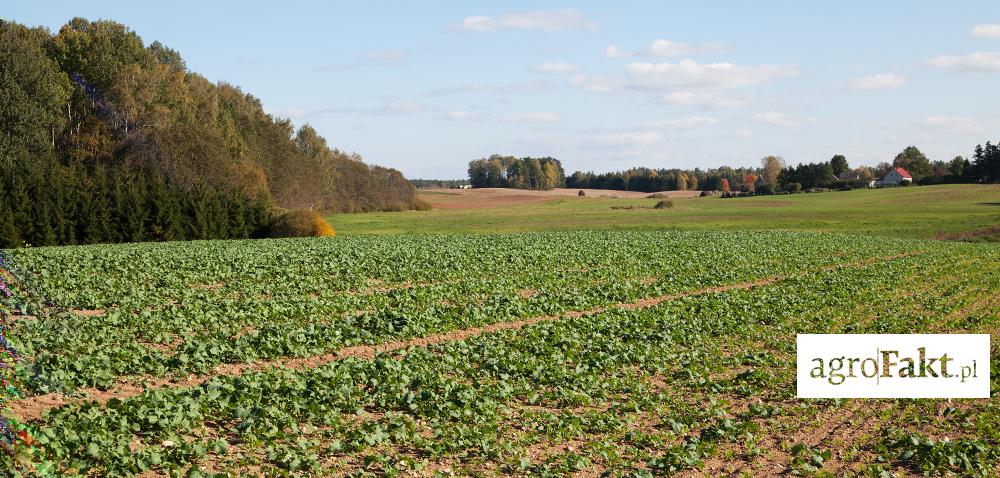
(855, 177)
(895, 177)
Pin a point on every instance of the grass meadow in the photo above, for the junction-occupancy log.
(922, 212)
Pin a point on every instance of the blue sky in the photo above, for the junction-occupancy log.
(427, 86)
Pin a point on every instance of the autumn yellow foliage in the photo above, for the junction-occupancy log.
(322, 228)
(300, 223)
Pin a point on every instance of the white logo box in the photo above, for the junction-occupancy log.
(893, 366)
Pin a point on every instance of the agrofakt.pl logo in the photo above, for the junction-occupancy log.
(893, 366)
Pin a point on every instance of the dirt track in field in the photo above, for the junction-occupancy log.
(32, 408)
(488, 198)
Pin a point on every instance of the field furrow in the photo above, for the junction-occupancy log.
(582, 361)
(34, 407)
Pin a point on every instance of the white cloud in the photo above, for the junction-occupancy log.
(460, 115)
(630, 138)
(956, 124)
(691, 74)
(691, 98)
(557, 67)
(546, 20)
(612, 51)
(780, 119)
(669, 48)
(596, 83)
(978, 61)
(653, 132)
(388, 56)
(402, 106)
(534, 117)
(986, 31)
(889, 81)
(743, 134)
(687, 82)
(664, 48)
(684, 123)
(498, 89)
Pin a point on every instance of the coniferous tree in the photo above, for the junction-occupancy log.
(21, 209)
(61, 191)
(839, 164)
(99, 201)
(197, 223)
(135, 217)
(237, 216)
(44, 235)
(219, 216)
(985, 166)
(87, 220)
(9, 237)
(164, 211)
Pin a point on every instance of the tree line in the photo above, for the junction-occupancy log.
(985, 167)
(52, 204)
(92, 103)
(439, 183)
(775, 175)
(651, 180)
(499, 171)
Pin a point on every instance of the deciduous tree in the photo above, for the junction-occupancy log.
(771, 167)
(839, 164)
(913, 161)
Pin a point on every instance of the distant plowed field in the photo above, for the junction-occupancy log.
(969, 212)
(483, 198)
(606, 353)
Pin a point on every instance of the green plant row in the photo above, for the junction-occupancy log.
(174, 309)
(641, 392)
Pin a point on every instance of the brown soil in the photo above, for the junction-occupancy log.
(488, 198)
(32, 408)
(216, 286)
(167, 348)
(89, 312)
(18, 316)
(982, 234)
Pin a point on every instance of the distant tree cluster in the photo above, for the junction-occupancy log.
(774, 175)
(985, 166)
(520, 173)
(92, 103)
(438, 183)
(914, 161)
(652, 180)
(635, 179)
(809, 175)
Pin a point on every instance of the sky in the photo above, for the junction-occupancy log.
(425, 87)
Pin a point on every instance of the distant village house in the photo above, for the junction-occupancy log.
(855, 177)
(895, 177)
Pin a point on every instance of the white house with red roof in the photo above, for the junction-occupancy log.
(896, 176)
